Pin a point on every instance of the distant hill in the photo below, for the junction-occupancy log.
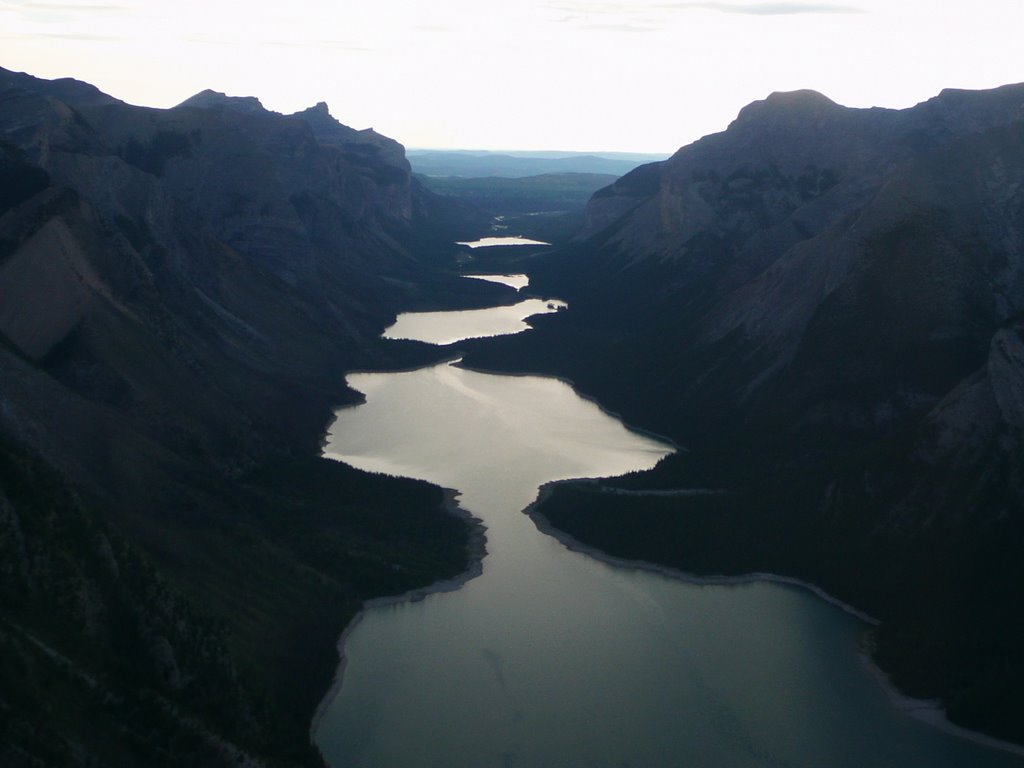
(478, 164)
(551, 192)
(549, 207)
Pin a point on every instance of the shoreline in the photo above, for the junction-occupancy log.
(928, 711)
(575, 545)
(460, 362)
(476, 550)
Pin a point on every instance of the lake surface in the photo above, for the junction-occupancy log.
(553, 659)
(486, 242)
(450, 327)
(512, 281)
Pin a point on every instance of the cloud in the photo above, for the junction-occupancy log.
(84, 37)
(65, 7)
(607, 17)
(619, 27)
(245, 42)
(583, 11)
(50, 10)
(765, 9)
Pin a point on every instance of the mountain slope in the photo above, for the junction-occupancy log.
(181, 292)
(824, 305)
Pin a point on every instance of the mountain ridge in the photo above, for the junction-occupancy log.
(825, 312)
(181, 293)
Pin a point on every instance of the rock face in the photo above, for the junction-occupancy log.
(824, 304)
(181, 292)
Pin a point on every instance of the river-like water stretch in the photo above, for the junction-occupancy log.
(554, 659)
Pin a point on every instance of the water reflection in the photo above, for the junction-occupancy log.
(486, 242)
(449, 327)
(512, 281)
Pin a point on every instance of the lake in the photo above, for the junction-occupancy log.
(512, 281)
(487, 242)
(449, 327)
(553, 659)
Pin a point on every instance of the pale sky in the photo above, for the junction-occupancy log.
(530, 74)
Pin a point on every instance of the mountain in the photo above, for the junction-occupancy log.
(514, 165)
(181, 293)
(545, 194)
(539, 195)
(825, 306)
(548, 207)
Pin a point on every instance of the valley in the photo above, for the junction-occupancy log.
(813, 322)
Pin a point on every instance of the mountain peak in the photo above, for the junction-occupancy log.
(324, 124)
(319, 114)
(802, 98)
(787, 105)
(209, 99)
(72, 92)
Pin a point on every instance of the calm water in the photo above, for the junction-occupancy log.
(512, 281)
(552, 659)
(486, 242)
(449, 327)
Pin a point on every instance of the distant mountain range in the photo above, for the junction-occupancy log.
(181, 293)
(825, 306)
(478, 164)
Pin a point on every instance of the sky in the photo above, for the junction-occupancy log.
(530, 74)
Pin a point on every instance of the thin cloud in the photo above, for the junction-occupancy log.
(767, 9)
(619, 27)
(608, 17)
(65, 7)
(338, 45)
(582, 11)
(343, 45)
(79, 36)
(247, 43)
(54, 10)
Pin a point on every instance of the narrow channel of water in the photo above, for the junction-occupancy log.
(488, 242)
(512, 281)
(552, 659)
(449, 327)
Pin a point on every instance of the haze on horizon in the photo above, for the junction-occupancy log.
(645, 76)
